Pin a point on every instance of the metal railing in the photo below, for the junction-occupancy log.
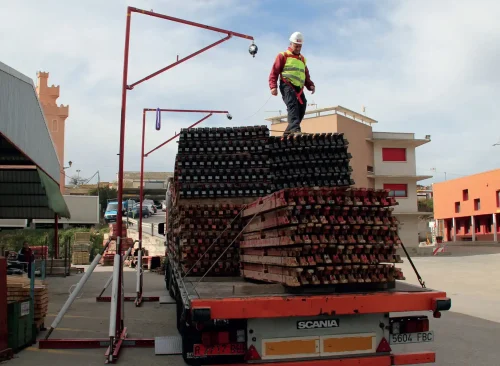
(147, 228)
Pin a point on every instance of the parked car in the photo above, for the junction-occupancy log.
(150, 205)
(112, 208)
(134, 211)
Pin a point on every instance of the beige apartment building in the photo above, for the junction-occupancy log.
(379, 159)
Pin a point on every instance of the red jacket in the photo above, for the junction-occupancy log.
(279, 63)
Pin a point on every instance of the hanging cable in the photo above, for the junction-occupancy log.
(258, 110)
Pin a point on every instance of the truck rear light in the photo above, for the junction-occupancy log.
(223, 337)
(252, 354)
(409, 325)
(384, 346)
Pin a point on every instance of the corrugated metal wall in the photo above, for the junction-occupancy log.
(22, 120)
(23, 195)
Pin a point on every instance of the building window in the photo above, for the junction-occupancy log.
(54, 126)
(369, 169)
(465, 195)
(393, 154)
(457, 207)
(397, 190)
(498, 199)
(477, 204)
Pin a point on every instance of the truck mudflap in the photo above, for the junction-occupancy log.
(386, 360)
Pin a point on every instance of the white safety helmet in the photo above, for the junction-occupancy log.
(297, 37)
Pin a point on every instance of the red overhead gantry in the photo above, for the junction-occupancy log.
(139, 298)
(118, 339)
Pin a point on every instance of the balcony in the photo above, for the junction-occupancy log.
(399, 139)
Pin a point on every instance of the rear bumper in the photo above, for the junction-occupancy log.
(389, 360)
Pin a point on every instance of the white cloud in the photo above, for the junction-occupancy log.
(426, 67)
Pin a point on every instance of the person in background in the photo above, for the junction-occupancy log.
(290, 67)
(26, 255)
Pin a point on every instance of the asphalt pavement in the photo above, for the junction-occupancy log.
(466, 336)
(150, 224)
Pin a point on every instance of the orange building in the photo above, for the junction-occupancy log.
(468, 208)
(55, 116)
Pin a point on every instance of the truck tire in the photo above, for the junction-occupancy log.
(171, 286)
(181, 320)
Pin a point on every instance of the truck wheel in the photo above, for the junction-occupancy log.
(171, 290)
(181, 320)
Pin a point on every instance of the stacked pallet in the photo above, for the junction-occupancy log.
(108, 257)
(113, 231)
(322, 237)
(205, 234)
(310, 160)
(217, 171)
(18, 289)
(80, 250)
(222, 162)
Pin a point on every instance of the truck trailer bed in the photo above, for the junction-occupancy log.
(235, 298)
(228, 287)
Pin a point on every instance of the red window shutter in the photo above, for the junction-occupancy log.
(397, 190)
(393, 154)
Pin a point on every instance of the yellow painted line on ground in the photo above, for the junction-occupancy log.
(56, 351)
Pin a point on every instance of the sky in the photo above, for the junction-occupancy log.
(428, 67)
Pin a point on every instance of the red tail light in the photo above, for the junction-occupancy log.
(384, 346)
(223, 337)
(252, 354)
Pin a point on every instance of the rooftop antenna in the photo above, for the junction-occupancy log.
(274, 112)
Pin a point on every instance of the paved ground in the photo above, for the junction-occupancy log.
(154, 220)
(465, 337)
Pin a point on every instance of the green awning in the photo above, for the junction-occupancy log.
(55, 199)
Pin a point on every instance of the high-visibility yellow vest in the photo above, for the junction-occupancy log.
(294, 70)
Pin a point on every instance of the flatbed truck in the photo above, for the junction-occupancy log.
(232, 321)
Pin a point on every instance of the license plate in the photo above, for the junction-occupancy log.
(220, 349)
(422, 337)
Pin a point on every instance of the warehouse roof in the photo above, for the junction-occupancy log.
(29, 167)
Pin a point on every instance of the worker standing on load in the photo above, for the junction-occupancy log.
(291, 67)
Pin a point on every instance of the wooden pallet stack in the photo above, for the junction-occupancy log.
(217, 171)
(222, 162)
(18, 289)
(195, 227)
(310, 160)
(80, 250)
(109, 256)
(322, 238)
